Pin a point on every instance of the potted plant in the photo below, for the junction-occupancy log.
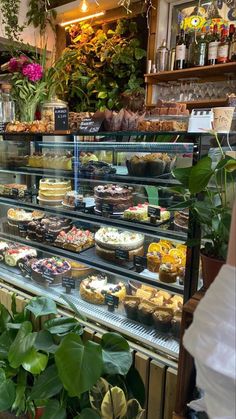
(53, 368)
(207, 189)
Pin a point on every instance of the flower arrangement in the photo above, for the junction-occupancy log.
(28, 85)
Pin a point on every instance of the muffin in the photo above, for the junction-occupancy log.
(154, 261)
(155, 165)
(176, 324)
(162, 319)
(137, 166)
(145, 312)
(168, 272)
(131, 307)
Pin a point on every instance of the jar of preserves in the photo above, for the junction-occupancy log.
(55, 113)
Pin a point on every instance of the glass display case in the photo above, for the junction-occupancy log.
(87, 222)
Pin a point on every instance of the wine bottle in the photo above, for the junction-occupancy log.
(180, 51)
(214, 41)
(200, 50)
(223, 48)
(232, 49)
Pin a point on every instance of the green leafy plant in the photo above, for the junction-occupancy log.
(205, 190)
(55, 368)
(39, 16)
(10, 19)
(85, 71)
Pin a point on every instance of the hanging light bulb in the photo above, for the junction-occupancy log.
(84, 6)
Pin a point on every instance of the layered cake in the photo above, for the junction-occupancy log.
(96, 169)
(13, 189)
(119, 197)
(52, 191)
(110, 239)
(95, 288)
(60, 160)
(75, 240)
(140, 213)
(13, 255)
(50, 271)
(19, 214)
(72, 198)
(48, 226)
(181, 219)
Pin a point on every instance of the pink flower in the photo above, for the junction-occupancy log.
(34, 72)
(23, 60)
(13, 65)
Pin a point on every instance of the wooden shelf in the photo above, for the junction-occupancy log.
(204, 103)
(199, 72)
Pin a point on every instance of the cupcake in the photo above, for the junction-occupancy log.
(131, 307)
(138, 166)
(162, 319)
(168, 272)
(154, 261)
(176, 324)
(145, 312)
(155, 165)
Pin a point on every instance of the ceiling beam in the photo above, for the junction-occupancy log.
(58, 3)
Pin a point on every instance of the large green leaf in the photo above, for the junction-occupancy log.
(117, 358)
(97, 393)
(63, 325)
(79, 366)
(47, 385)
(53, 410)
(7, 395)
(22, 345)
(5, 343)
(35, 362)
(230, 165)
(41, 306)
(183, 175)
(134, 410)
(114, 404)
(200, 175)
(73, 307)
(88, 414)
(5, 318)
(135, 385)
(44, 342)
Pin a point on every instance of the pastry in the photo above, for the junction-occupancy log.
(19, 214)
(145, 312)
(168, 272)
(48, 228)
(14, 254)
(176, 324)
(137, 213)
(52, 191)
(75, 239)
(95, 288)
(118, 197)
(87, 157)
(162, 318)
(144, 294)
(72, 198)
(131, 306)
(79, 270)
(96, 169)
(13, 189)
(181, 220)
(154, 261)
(50, 271)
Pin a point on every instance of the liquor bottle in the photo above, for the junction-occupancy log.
(180, 51)
(200, 49)
(223, 47)
(188, 39)
(214, 41)
(162, 57)
(232, 48)
(8, 104)
(231, 31)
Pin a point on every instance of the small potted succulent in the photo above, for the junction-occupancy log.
(207, 190)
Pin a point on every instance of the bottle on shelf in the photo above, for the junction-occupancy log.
(180, 51)
(188, 38)
(8, 104)
(232, 47)
(213, 43)
(223, 47)
(162, 57)
(199, 49)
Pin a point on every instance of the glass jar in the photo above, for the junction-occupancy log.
(48, 112)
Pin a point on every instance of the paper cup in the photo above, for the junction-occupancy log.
(223, 119)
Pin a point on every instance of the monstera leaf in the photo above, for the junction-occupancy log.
(114, 404)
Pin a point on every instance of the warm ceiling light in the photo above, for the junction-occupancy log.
(70, 22)
(84, 6)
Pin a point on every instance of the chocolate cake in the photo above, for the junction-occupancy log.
(38, 230)
(119, 197)
(96, 169)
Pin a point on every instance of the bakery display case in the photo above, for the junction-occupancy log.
(89, 223)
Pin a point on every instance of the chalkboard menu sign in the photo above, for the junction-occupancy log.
(122, 254)
(112, 301)
(80, 206)
(140, 263)
(154, 212)
(107, 209)
(68, 282)
(91, 125)
(61, 117)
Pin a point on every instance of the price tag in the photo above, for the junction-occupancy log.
(112, 301)
(154, 212)
(92, 125)
(25, 268)
(140, 262)
(50, 237)
(68, 282)
(22, 228)
(80, 206)
(107, 209)
(61, 117)
(48, 279)
(15, 192)
(122, 254)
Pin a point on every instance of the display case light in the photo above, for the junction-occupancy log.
(80, 19)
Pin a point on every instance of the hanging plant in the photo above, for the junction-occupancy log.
(39, 16)
(10, 19)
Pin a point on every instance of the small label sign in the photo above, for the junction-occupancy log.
(140, 262)
(112, 301)
(22, 228)
(107, 209)
(80, 206)
(61, 117)
(68, 283)
(50, 237)
(154, 212)
(122, 254)
(25, 268)
(48, 279)
(15, 192)
(91, 125)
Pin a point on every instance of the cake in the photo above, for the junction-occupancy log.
(52, 191)
(181, 219)
(50, 271)
(168, 272)
(59, 160)
(96, 169)
(145, 312)
(13, 255)
(140, 213)
(110, 239)
(162, 318)
(47, 227)
(154, 261)
(72, 198)
(87, 157)
(3, 247)
(119, 197)
(154, 164)
(75, 239)
(13, 189)
(95, 288)
(176, 324)
(79, 270)
(131, 306)
(19, 214)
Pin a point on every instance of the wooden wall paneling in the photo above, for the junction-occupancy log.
(20, 303)
(156, 390)
(5, 298)
(142, 364)
(170, 393)
(97, 337)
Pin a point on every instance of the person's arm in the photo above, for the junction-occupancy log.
(231, 257)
